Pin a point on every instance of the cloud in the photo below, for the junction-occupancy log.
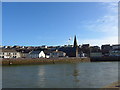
(113, 7)
(107, 25)
(100, 41)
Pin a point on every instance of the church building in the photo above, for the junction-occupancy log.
(71, 51)
(75, 46)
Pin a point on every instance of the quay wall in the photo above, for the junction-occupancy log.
(30, 61)
(107, 58)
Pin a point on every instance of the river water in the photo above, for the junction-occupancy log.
(69, 75)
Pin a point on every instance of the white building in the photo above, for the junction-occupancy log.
(24, 54)
(9, 53)
(37, 54)
(57, 54)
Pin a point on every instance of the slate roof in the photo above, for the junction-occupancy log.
(70, 51)
(58, 52)
(35, 52)
(8, 50)
(47, 52)
(24, 51)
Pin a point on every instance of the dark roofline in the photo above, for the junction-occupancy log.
(8, 50)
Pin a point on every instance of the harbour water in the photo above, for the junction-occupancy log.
(68, 75)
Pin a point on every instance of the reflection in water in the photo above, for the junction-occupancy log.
(41, 76)
(76, 75)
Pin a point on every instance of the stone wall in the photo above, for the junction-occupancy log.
(29, 61)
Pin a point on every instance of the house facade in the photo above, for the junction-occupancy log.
(105, 49)
(57, 54)
(114, 47)
(36, 54)
(96, 54)
(9, 53)
(114, 53)
(24, 53)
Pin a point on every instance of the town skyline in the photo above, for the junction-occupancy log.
(74, 50)
(71, 44)
(52, 24)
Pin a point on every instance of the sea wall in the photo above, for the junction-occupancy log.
(30, 61)
(107, 58)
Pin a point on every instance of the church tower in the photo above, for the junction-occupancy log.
(75, 46)
(75, 42)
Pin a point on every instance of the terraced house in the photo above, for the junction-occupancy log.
(9, 53)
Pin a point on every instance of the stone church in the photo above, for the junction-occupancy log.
(71, 51)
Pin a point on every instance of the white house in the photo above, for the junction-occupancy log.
(57, 54)
(37, 54)
(9, 53)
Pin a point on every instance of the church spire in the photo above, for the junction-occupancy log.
(75, 42)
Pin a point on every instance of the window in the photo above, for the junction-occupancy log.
(8, 53)
(14, 54)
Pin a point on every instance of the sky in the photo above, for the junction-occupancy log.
(56, 23)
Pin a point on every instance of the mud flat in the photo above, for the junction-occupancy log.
(29, 61)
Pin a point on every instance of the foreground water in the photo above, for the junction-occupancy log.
(75, 75)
